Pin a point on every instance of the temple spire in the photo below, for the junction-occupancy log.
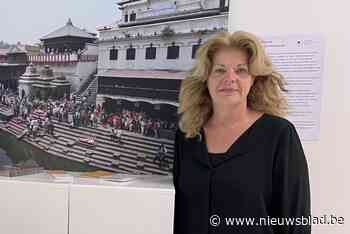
(69, 22)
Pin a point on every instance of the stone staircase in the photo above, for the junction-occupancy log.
(5, 112)
(89, 89)
(135, 155)
(4, 108)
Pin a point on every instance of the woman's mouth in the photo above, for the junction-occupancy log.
(228, 90)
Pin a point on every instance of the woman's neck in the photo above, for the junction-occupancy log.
(228, 116)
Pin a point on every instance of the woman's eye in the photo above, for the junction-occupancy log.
(241, 71)
(220, 70)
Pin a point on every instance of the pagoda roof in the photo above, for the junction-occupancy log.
(69, 30)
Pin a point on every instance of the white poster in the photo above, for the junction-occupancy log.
(300, 59)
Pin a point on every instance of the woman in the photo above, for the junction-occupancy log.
(235, 156)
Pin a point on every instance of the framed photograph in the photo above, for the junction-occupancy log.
(104, 100)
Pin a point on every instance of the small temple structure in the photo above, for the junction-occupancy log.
(13, 62)
(67, 39)
(70, 51)
(42, 85)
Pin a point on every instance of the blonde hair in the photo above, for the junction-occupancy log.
(265, 94)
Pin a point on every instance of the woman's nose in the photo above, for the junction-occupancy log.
(231, 75)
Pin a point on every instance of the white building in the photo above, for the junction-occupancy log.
(144, 56)
(159, 34)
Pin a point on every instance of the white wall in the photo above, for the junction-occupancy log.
(58, 69)
(163, 7)
(328, 158)
(184, 62)
(85, 69)
(91, 49)
(180, 26)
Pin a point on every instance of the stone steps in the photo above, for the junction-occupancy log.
(90, 86)
(102, 144)
(141, 144)
(101, 156)
(95, 153)
(128, 143)
(106, 136)
(106, 132)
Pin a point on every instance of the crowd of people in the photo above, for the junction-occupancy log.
(35, 125)
(79, 113)
(75, 112)
(138, 122)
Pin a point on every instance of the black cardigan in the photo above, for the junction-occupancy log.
(266, 176)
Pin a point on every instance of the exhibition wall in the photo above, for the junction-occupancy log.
(327, 155)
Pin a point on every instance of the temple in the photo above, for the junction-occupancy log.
(43, 85)
(71, 52)
(67, 39)
(13, 62)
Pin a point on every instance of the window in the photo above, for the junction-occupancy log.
(151, 52)
(194, 50)
(132, 16)
(130, 53)
(113, 54)
(126, 17)
(173, 52)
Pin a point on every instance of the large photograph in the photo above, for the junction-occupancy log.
(80, 100)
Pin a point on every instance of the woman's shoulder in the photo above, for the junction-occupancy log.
(273, 129)
(181, 136)
(276, 121)
(276, 124)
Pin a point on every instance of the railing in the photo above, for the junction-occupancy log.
(62, 58)
(53, 58)
(91, 89)
(86, 83)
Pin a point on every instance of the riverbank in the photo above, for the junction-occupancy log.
(17, 151)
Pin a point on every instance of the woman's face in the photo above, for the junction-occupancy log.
(229, 81)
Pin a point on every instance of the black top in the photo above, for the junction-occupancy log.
(264, 174)
(217, 158)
